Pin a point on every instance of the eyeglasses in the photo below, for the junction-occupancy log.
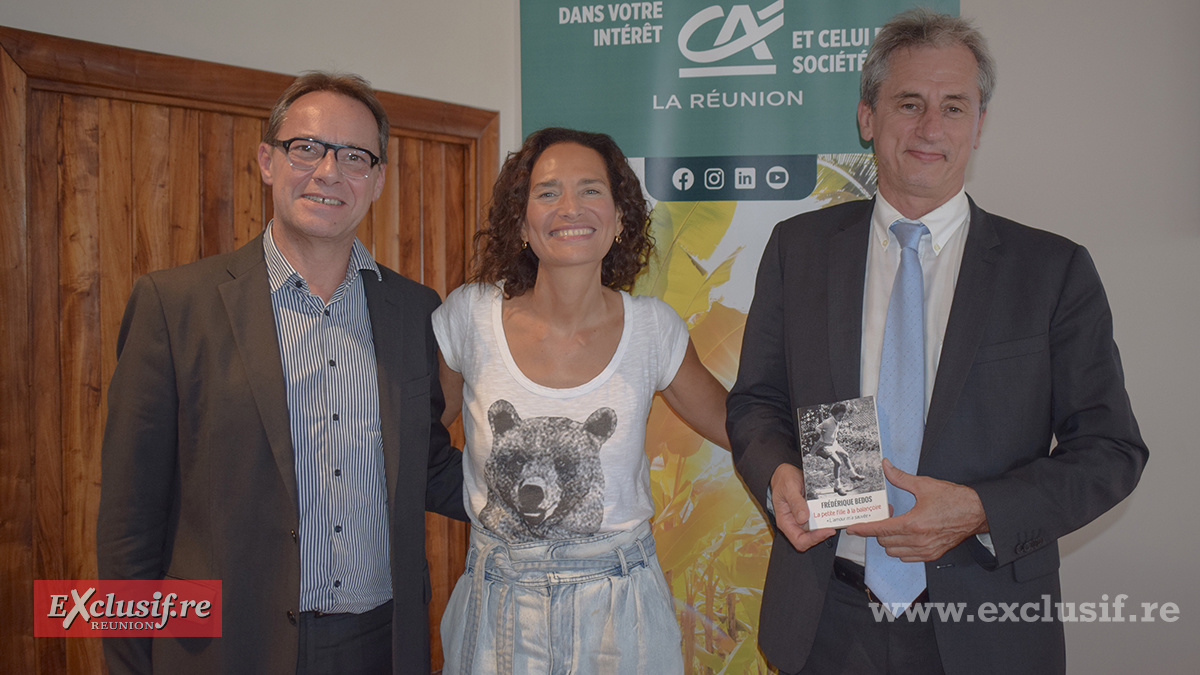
(305, 154)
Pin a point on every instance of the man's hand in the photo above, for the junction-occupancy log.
(945, 514)
(791, 508)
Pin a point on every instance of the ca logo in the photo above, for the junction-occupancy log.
(753, 36)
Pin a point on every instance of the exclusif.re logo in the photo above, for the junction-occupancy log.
(91, 608)
(731, 41)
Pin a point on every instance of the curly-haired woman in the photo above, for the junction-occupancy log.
(554, 365)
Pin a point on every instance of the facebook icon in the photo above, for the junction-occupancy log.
(683, 179)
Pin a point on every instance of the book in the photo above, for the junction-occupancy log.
(843, 463)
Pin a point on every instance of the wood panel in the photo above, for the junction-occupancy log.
(215, 146)
(46, 395)
(249, 198)
(408, 164)
(119, 162)
(79, 318)
(184, 187)
(16, 471)
(115, 217)
(151, 198)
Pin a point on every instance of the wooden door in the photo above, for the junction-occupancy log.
(114, 163)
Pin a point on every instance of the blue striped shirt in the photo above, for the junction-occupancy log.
(333, 406)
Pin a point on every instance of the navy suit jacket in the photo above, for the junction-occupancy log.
(1028, 357)
(199, 479)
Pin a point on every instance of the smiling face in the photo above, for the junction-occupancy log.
(924, 125)
(571, 218)
(321, 206)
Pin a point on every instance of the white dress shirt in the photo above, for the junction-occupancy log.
(941, 255)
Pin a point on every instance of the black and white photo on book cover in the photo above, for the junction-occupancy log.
(842, 462)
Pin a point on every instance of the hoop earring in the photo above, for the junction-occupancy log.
(618, 238)
(524, 245)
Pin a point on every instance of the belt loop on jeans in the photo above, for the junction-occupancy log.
(473, 608)
(642, 549)
(624, 563)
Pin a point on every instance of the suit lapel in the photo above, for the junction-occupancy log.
(247, 299)
(968, 318)
(847, 272)
(387, 332)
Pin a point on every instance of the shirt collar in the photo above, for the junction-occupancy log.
(280, 272)
(942, 222)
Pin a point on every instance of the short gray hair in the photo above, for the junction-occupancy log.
(925, 28)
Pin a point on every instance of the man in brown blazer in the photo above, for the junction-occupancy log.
(274, 423)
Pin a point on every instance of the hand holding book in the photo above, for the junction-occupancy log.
(791, 508)
(945, 514)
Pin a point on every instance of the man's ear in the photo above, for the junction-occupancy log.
(866, 117)
(379, 181)
(266, 155)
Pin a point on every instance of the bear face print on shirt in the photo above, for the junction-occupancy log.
(544, 476)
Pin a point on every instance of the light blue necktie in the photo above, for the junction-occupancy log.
(901, 405)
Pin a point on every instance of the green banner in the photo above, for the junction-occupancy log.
(702, 78)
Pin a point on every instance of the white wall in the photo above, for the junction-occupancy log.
(461, 51)
(1093, 134)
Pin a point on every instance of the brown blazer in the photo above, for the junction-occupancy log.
(198, 473)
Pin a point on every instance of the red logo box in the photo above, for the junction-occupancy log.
(82, 608)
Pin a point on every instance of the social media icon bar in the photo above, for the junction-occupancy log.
(740, 178)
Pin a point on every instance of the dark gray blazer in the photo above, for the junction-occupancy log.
(1028, 356)
(198, 474)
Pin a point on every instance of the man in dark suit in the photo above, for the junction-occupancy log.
(274, 423)
(1014, 348)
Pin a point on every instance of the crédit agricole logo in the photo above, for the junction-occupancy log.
(740, 31)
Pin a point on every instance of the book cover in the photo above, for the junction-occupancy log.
(843, 463)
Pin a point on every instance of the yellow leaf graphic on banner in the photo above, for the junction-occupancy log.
(844, 178)
(685, 236)
(711, 539)
(718, 340)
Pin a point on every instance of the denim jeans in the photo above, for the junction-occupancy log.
(597, 604)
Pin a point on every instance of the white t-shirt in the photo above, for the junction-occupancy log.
(545, 463)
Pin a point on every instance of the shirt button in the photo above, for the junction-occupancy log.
(335, 417)
(331, 363)
(327, 312)
(337, 584)
(337, 472)
(337, 528)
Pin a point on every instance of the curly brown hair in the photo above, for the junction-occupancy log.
(500, 256)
